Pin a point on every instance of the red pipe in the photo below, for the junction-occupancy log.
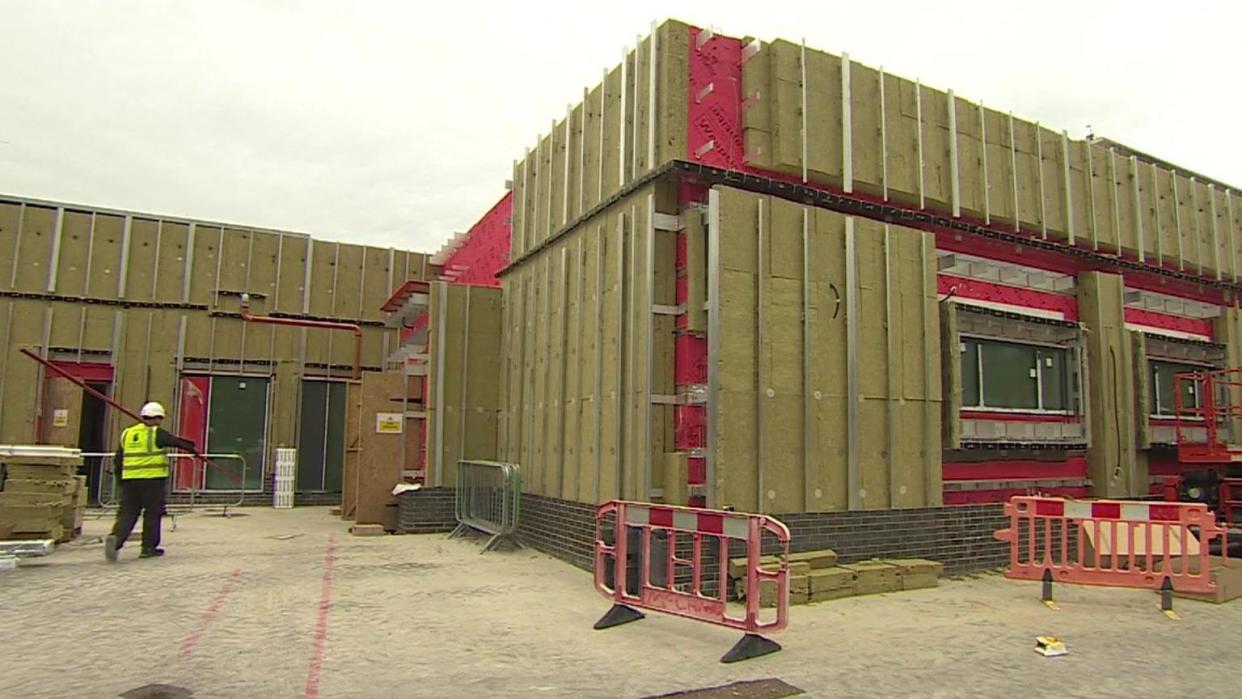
(325, 324)
(111, 402)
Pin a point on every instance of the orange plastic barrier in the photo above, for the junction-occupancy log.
(700, 526)
(1155, 545)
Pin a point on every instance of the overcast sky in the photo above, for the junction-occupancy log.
(396, 122)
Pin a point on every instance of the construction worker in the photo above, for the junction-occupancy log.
(142, 458)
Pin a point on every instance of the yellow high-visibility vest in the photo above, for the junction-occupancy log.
(142, 458)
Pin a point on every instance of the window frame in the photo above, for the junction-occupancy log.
(1072, 364)
(1153, 409)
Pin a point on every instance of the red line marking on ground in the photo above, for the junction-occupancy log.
(213, 609)
(321, 625)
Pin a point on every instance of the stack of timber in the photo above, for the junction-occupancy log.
(814, 576)
(42, 497)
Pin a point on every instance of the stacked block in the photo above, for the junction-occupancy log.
(42, 496)
(814, 576)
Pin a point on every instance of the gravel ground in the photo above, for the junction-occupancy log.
(287, 603)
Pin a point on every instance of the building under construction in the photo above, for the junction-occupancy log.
(146, 307)
(756, 275)
(737, 273)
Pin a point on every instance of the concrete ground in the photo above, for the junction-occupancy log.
(286, 603)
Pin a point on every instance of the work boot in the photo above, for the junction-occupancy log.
(151, 553)
(110, 548)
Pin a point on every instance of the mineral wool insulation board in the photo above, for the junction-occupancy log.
(885, 136)
(634, 120)
(904, 142)
(139, 291)
(584, 355)
(825, 377)
(464, 377)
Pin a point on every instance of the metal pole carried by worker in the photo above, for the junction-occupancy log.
(142, 460)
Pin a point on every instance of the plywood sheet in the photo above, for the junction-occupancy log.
(62, 412)
(379, 465)
(353, 451)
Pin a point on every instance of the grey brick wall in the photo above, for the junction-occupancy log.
(559, 528)
(426, 511)
(316, 498)
(959, 537)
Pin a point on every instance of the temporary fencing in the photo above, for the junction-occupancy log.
(627, 524)
(488, 499)
(198, 482)
(1154, 545)
(108, 486)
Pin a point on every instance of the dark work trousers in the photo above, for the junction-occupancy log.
(146, 496)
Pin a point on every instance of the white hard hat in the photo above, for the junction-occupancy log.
(152, 409)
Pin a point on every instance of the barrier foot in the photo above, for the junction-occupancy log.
(1047, 593)
(750, 646)
(618, 615)
(1166, 598)
(459, 530)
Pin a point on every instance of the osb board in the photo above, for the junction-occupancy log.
(1003, 163)
(763, 435)
(465, 378)
(1111, 461)
(607, 140)
(61, 394)
(380, 458)
(353, 441)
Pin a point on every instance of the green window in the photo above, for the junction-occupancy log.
(1162, 384)
(1015, 376)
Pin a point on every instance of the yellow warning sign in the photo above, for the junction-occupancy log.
(388, 423)
(60, 417)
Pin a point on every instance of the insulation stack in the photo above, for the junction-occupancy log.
(815, 576)
(42, 496)
(286, 474)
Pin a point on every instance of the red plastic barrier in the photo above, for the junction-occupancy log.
(1111, 543)
(688, 600)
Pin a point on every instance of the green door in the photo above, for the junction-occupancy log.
(237, 424)
(321, 439)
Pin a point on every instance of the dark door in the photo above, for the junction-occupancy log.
(237, 424)
(91, 437)
(321, 437)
